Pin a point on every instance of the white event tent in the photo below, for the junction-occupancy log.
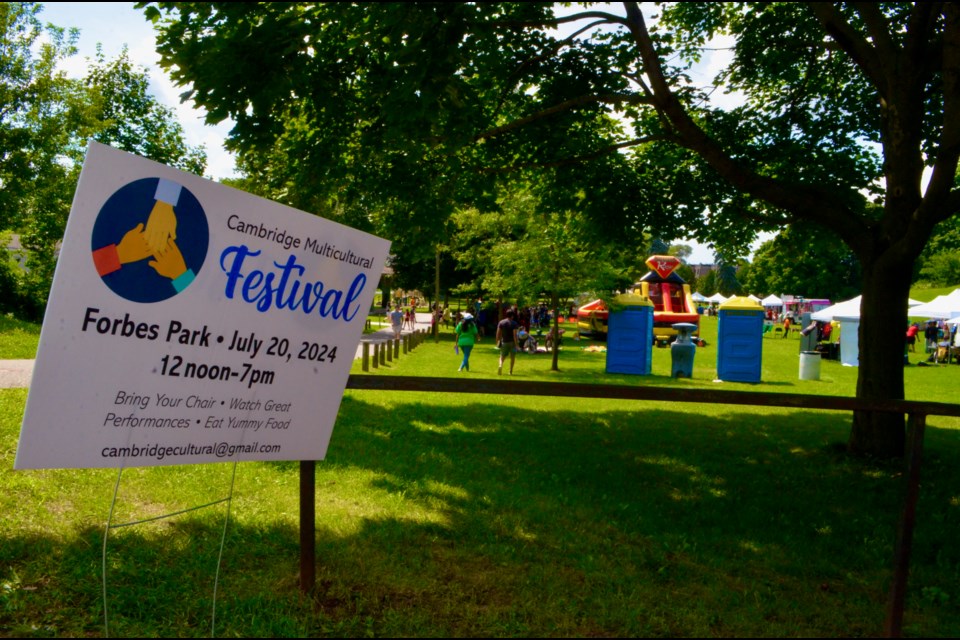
(946, 306)
(772, 301)
(851, 309)
(847, 309)
(847, 313)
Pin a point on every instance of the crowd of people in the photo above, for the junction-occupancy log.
(514, 329)
(939, 339)
(518, 330)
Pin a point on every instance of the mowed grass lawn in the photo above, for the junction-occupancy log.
(464, 515)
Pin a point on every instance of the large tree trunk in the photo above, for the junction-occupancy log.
(883, 325)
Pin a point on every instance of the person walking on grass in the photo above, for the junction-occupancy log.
(507, 340)
(466, 338)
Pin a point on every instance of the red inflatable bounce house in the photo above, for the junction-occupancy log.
(669, 293)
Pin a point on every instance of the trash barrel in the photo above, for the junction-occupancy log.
(809, 336)
(682, 351)
(630, 336)
(740, 340)
(810, 365)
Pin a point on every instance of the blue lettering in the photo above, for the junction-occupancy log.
(330, 301)
(317, 289)
(233, 273)
(280, 287)
(355, 288)
(284, 277)
(252, 292)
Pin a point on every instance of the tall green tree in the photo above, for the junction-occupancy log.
(129, 118)
(375, 110)
(801, 262)
(46, 119)
(111, 105)
(850, 106)
(939, 264)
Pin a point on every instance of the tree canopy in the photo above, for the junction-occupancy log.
(428, 104)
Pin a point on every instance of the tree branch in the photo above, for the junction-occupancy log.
(953, 203)
(851, 42)
(555, 22)
(579, 159)
(948, 155)
(802, 201)
(919, 27)
(552, 50)
(879, 31)
(559, 108)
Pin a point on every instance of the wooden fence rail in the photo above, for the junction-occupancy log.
(915, 411)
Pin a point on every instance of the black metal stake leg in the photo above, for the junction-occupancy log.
(308, 526)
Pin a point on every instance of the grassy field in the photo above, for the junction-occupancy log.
(447, 515)
(18, 339)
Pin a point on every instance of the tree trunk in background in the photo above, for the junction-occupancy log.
(436, 297)
(554, 303)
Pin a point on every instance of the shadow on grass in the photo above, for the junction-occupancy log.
(478, 518)
(741, 511)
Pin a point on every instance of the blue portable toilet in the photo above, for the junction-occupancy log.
(630, 336)
(740, 340)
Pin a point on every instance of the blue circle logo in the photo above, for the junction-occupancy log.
(150, 240)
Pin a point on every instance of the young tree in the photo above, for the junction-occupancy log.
(526, 253)
(420, 93)
(709, 284)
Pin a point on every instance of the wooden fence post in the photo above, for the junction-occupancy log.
(893, 628)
